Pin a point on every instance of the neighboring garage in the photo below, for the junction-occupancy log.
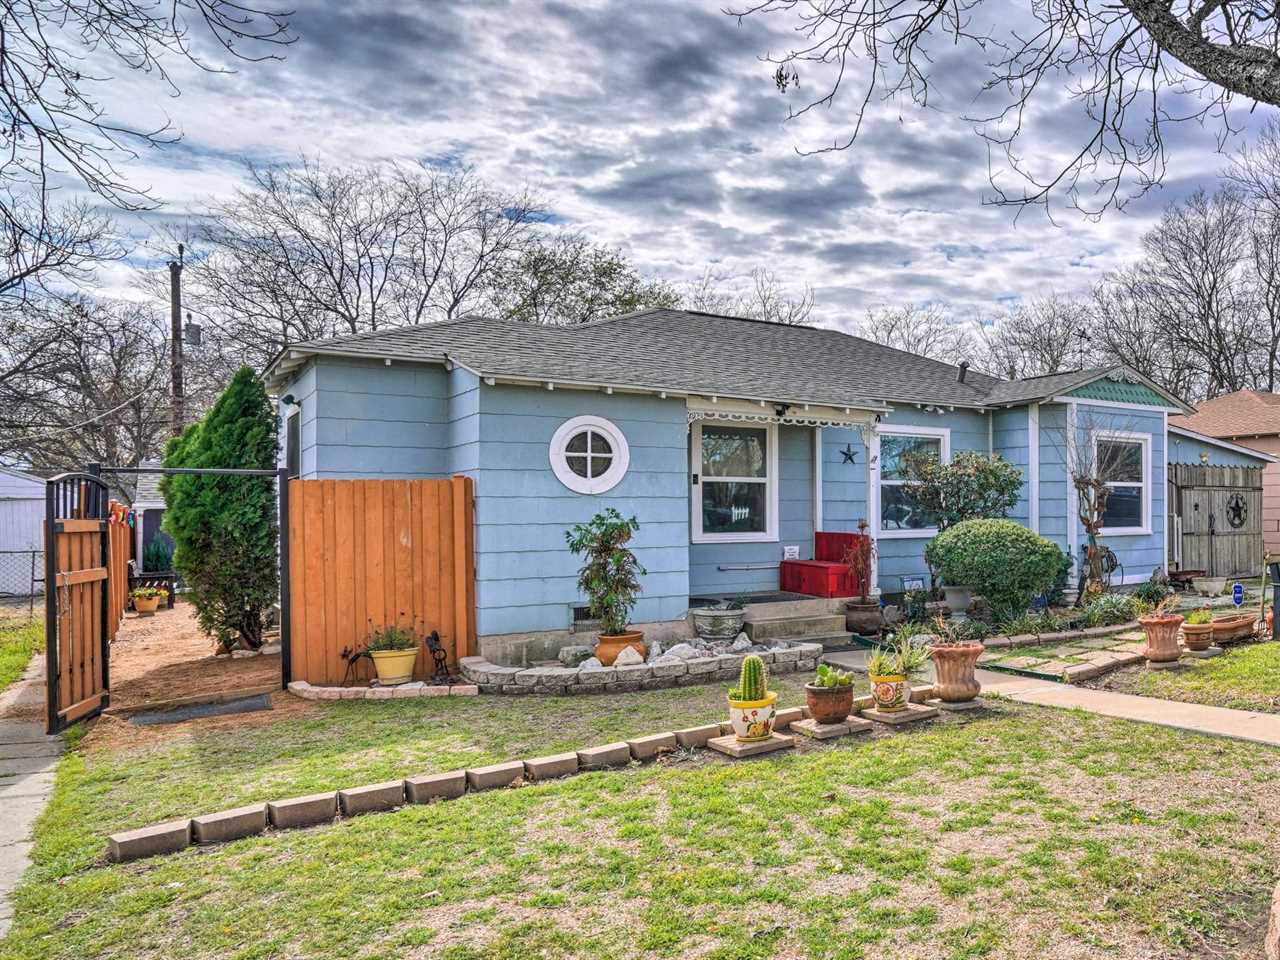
(21, 533)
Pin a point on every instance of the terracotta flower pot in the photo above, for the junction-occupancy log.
(753, 719)
(829, 704)
(890, 693)
(954, 666)
(394, 666)
(863, 618)
(608, 646)
(1197, 636)
(1162, 637)
(1236, 626)
(1271, 618)
(146, 606)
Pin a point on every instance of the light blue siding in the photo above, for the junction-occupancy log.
(1188, 450)
(463, 423)
(303, 388)
(716, 568)
(525, 576)
(1053, 474)
(1010, 436)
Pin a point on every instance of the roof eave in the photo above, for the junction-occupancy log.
(1225, 444)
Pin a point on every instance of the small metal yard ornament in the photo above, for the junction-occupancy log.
(441, 675)
(850, 455)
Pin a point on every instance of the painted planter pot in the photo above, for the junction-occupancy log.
(1234, 627)
(954, 665)
(1197, 636)
(394, 666)
(958, 599)
(146, 606)
(890, 693)
(1162, 637)
(829, 704)
(863, 618)
(716, 623)
(753, 719)
(609, 645)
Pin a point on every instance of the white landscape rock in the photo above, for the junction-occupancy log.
(591, 663)
(682, 651)
(629, 657)
(741, 642)
(655, 651)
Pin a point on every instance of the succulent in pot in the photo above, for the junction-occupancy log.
(1161, 627)
(610, 577)
(829, 694)
(146, 600)
(752, 705)
(890, 670)
(393, 650)
(955, 660)
(723, 621)
(1197, 630)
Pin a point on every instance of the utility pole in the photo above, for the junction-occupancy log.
(175, 344)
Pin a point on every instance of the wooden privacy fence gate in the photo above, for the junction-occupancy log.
(86, 561)
(1215, 519)
(371, 553)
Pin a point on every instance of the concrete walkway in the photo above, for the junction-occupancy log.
(1196, 718)
(27, 761)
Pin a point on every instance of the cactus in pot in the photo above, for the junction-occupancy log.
(752, 705)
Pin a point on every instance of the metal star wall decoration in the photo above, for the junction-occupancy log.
(850, 455)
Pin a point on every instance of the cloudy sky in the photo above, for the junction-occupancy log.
(655, 126)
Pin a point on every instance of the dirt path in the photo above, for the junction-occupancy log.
(167, 656)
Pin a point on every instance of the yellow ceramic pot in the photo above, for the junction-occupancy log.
(394, 666)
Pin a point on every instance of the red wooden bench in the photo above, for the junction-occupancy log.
(827, 574)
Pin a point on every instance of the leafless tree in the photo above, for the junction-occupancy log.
(929, 331)
(1045, 335)
(312, 251)
(95, 393)
(766, 297)
(1131, 67)
(55, 57)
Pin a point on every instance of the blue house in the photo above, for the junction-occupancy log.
(733, 441)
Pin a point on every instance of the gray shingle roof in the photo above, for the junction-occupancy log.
(148, 490)
(1037, 388)
(682, 351)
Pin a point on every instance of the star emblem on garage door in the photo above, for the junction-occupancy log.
(1237, 511)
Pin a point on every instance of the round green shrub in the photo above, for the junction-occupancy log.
(1002, 560)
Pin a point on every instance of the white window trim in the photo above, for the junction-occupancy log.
(1144, 439)
(589, 485)
(770, 534)
(874, 481)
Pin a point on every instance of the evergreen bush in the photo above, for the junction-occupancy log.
(1000, 559)
(224, 528)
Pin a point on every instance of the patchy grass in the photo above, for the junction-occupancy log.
(1244, 678)
(20, 638)
(1016, 832)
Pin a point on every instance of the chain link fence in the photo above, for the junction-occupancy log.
(21, 582)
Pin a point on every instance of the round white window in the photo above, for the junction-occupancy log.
(589, 454)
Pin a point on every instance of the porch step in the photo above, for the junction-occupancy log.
(794, 627)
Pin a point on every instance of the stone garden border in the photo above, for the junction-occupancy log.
(1037, 639)
(663, 673)
(323, 808)
(405, 691)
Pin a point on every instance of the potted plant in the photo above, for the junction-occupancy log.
(1197, 630)
(394, 650)
(752, 705)
(721, 621)
(610, 577)
(146, 600)
(1161, 628)
(830, 695)
(955, 659)
(890, 670)
(863, 615)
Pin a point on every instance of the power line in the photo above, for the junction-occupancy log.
(83, 423)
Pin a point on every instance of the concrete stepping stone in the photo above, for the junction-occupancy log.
(913, 713)
(826, 731)
(731, 746)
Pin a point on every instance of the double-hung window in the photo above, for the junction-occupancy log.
(734, 483)
(900, 515)
(1123, 463)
